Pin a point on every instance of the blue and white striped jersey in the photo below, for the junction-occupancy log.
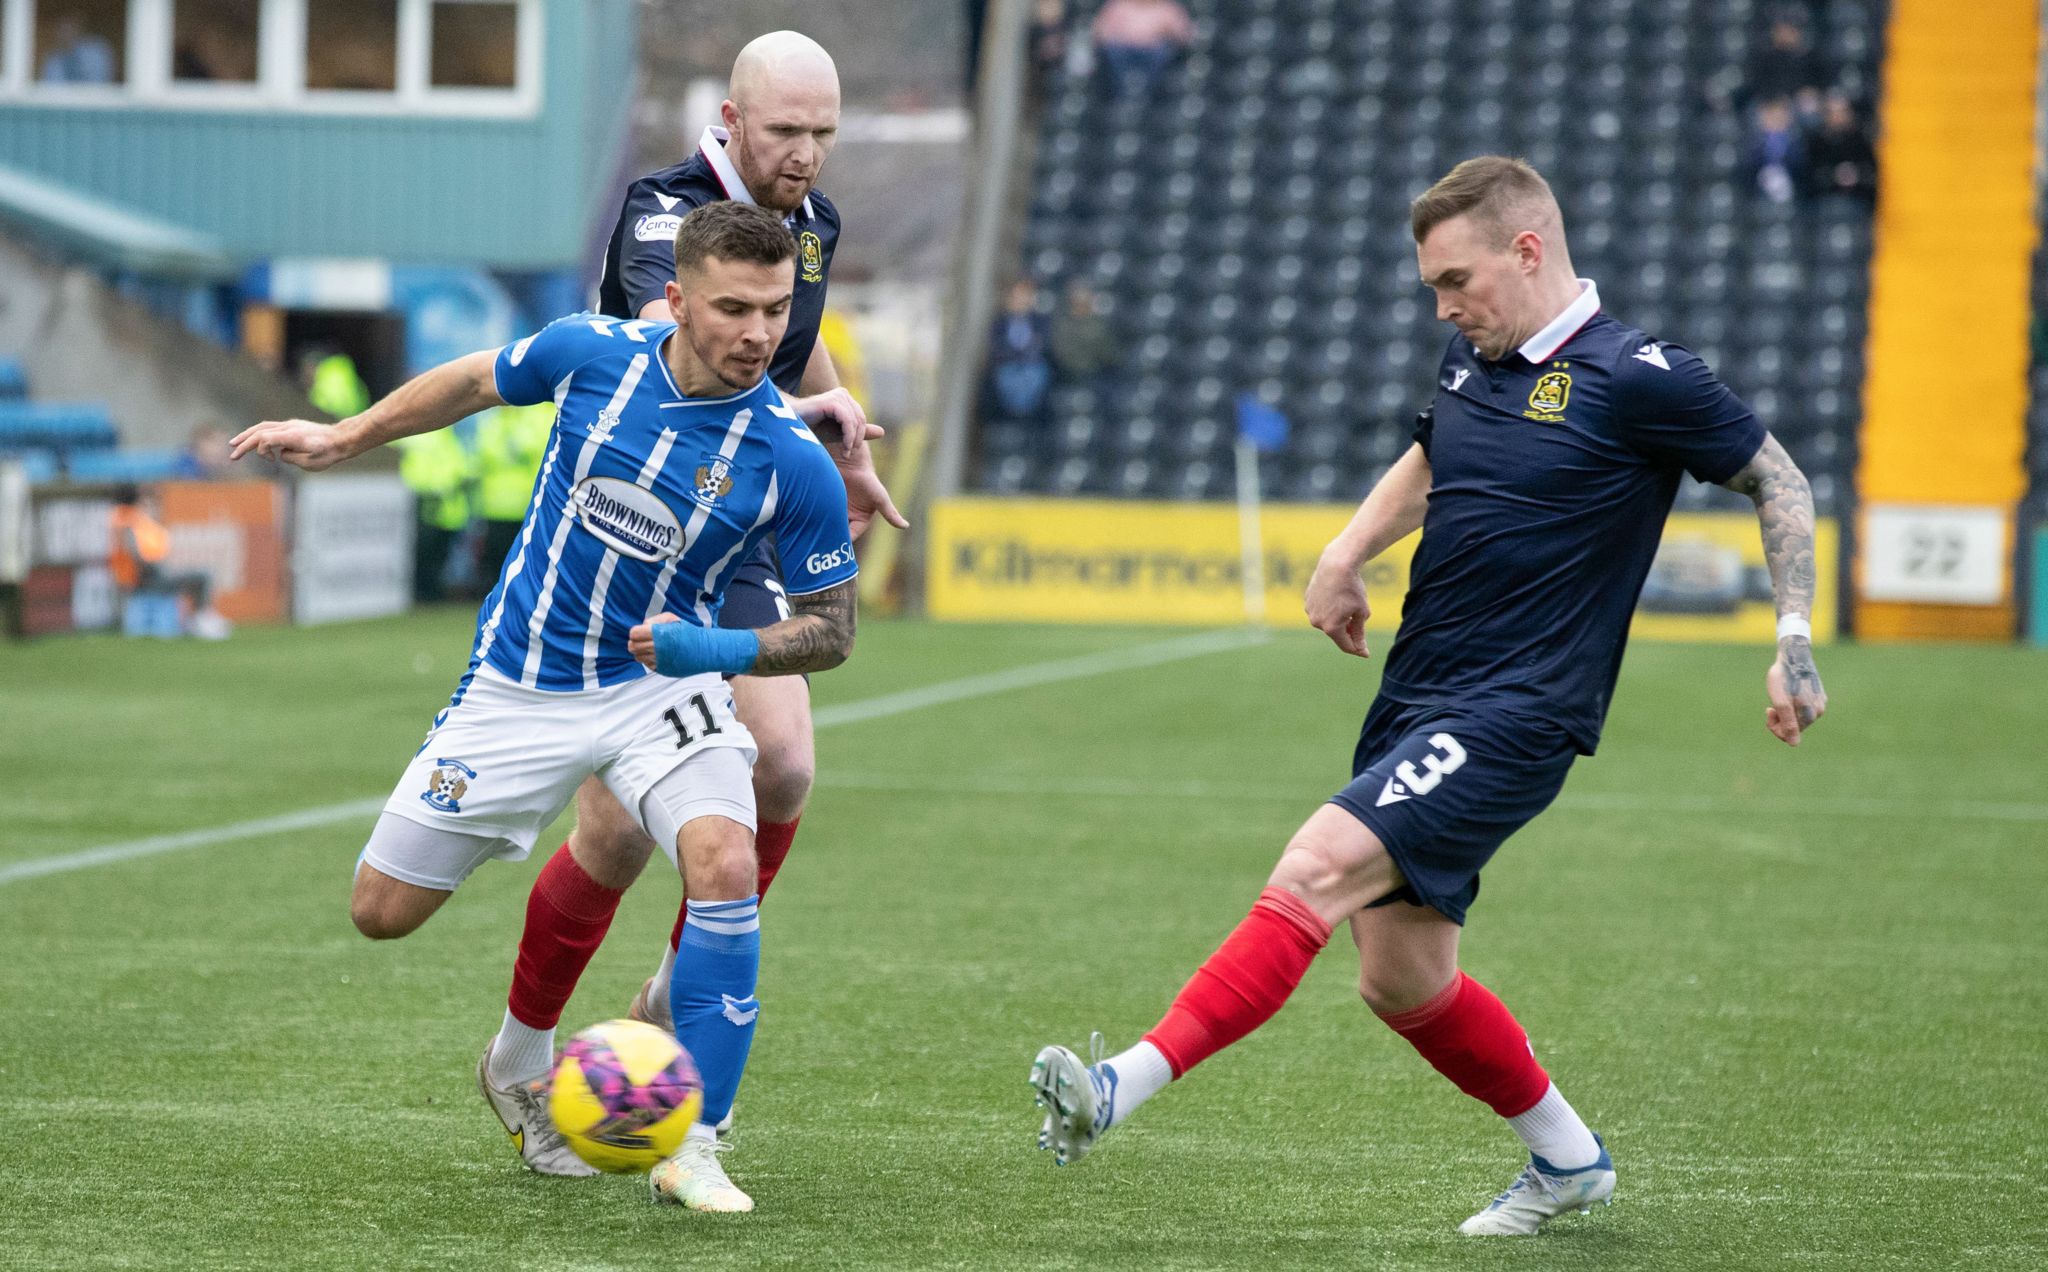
(646, 502)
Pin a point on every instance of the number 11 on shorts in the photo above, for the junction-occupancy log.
(684, 739)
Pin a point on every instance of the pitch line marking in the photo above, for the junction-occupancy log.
(880, 707)
(1582, 802)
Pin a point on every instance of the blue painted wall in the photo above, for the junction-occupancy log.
(514, 194)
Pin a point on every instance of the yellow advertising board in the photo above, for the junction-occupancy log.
(1111, 561)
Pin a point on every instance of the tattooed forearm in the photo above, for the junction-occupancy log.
(1784, 507)
(817, 638)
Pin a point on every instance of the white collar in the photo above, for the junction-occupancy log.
(1539, 347)
(712, 146)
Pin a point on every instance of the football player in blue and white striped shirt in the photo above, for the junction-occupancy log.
(672, 456)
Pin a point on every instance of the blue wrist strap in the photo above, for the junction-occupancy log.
(685, 649)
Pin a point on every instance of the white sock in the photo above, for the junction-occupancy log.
(667, 970)
(1141, 1073)
(701, 1131)
(1556, 1134)
(662, 976)
(520, 1053)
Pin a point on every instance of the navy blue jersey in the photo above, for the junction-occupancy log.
(641, 257)
(1552, 473)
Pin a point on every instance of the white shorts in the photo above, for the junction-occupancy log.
(502, 763)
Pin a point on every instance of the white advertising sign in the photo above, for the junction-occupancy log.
(1940, 554)
(351, 548)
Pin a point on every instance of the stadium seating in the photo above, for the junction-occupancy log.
(60, 427)
(1247, 227)
(122, 466)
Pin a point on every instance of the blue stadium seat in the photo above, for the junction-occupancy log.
(145, 465)
(58, 426)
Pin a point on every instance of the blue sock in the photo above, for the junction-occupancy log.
(711, 995)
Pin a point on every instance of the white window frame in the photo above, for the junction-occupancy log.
(280, 84)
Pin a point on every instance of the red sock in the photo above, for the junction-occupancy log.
(771, 846)
(1475, 1042)
(567, 914)
(1244, 982)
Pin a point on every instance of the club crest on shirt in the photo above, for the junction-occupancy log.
(447, 784)
(1546, 401)
(601, 428)
(810, 250)
(714, 481)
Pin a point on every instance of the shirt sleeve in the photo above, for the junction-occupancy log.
(1672, 410)
(528, 371)
(811, 531)
(1425, 428)
(647, 244)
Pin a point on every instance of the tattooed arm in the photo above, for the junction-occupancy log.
(1784, 508)
(818, 637)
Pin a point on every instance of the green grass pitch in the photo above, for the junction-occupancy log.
(1801, 993)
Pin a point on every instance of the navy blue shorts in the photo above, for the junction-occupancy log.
(1444, 786)
(754, 596)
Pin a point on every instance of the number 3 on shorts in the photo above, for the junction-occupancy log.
(1452, 759)
(692, 713)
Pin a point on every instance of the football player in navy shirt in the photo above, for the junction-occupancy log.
(1540, 477)
(779, 125)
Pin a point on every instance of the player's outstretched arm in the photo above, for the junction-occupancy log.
(1784, 509)
(450, 392)
(817, 637)
(1335, 600)
(838, 420)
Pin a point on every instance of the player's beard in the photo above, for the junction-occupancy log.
(778, 201)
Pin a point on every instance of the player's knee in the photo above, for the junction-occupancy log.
(613, 852)
(782, 782)
(733, 873)
(1314, 866)
(1389, 991)
(382, 918)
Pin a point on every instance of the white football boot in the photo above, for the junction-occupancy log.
(1079, 1100)
(1541, 1193)
(523, 1108)
(694, 1177)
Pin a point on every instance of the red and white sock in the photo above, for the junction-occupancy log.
(1472, 1039)
(567, 915)
(1243, 983)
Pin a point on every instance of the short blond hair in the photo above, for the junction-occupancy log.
(1504, 194)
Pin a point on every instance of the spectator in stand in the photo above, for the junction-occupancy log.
(1787, 67)
(76, 56)
(138, 561)
(1775, 151)
(1019, 372)
(1048, 38)
(206, 455)
(1083, 347)
(510, 445)
(1839, 156)
(1137, 39)
(332, 382)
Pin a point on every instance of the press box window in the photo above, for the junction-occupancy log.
(475, 44)
(81, 42)
(214, 41)
(352, 45)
